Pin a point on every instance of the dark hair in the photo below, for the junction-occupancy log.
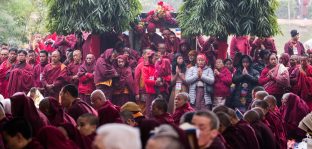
(22, 51)
(258, 88)
(44, 52)
(187, 117)
(4, 44)
(13, 49)
(161, 104)
(245, 57)
(228, 60)
(263, 53)
(175, 63)
(91, 118)
(224, 119)
(214, 121)
(71, 89)
(18, 125)
(31, 51)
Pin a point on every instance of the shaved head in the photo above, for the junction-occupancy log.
(251, 116)
(98, 98)
(271, 100)
(261, 94)
(98, 94)
(260, 112)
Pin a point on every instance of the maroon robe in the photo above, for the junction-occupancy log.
(268, 43)
(173, 47)
(4, 69)
(33, 144)
(38, 69)
(293, 78)
(180, 111)
(150, 41)
(276, 125)
(249, 133)
(219, 143)
(72, 70)
(75, 136)
(86, 81)
(165, 118)
(108, 113)
(288, 48)
(55, 75)
(23, 106)
(239, 44)
(21, 78)
(264, 135)
(104, 71)
(58, 115)
(78, 108)
(293, 112)
(52, 138)
(304, 85)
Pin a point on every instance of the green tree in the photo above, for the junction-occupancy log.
(223, 17)
(96, 16)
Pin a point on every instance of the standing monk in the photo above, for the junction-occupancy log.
(239, 44)
(105, 72)
(4, 54)
(151, 38)
(294, 46)
(32, 58)
(38, 69)
(4, 68)
(20, 76)
(73, 67)
(86, 78)
(54, 75)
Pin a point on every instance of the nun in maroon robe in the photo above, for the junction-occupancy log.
(55, 112)
(123, 86)
(55, 75)
(52, 138)
(20, 79)
(105, 72)
(4, 69)
(86, 78)
(74, 135)
(23, 106)
(293, 111)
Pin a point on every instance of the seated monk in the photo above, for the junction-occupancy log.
(72, 133)
(293, 71)
(264, 134)
(182, 106)
(18, 134)
(159, 111)
(73, 105)
(87, 124)
(54, 76)
(51, 108)
(20, 75)
(107, 112)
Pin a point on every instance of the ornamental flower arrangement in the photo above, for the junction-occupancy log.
(161, 15)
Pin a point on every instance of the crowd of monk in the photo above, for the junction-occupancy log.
(169, 97)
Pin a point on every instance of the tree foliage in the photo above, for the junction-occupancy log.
(222, 17)
(95, 16)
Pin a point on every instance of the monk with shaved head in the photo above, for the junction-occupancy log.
(73, 67)
(107, 112)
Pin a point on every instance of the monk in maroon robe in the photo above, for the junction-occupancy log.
(54, 76)
(108, 113)
(86, 78)
(4, 55)
(72, 104)
(239, 44)
(182, 106)
(264, 134)
(262, 44)
(73, 67)
(159, 111)
(151, 38)
(23, 106)
(294, 46)
(293, 110)
(38, 69)
(173, 43)
(74, 135)
(21, 75)
(32, 58)
(104, 72)
(304, 84)
(293, 71)
(123, 86)
(55, 112)
(4, 69)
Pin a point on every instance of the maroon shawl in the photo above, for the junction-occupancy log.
(4, 68)
(285, 57)
(21, 78)
(58, 115)
(72, 70)
(276, 125)
(293, 112)
(80, 107)
(104, 69)
(74, 135)
(86, 78)
(23, 106)
(264, 135)
(180, 111)
(38, 69)
(109, 113)
(165, 118)
(173, 47)
(125, 77)
(52, 138)
(304, 85)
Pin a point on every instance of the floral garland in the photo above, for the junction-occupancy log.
(160, 16)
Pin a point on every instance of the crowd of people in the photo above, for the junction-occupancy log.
(164, 95)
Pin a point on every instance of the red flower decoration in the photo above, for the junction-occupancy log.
(160, 3)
